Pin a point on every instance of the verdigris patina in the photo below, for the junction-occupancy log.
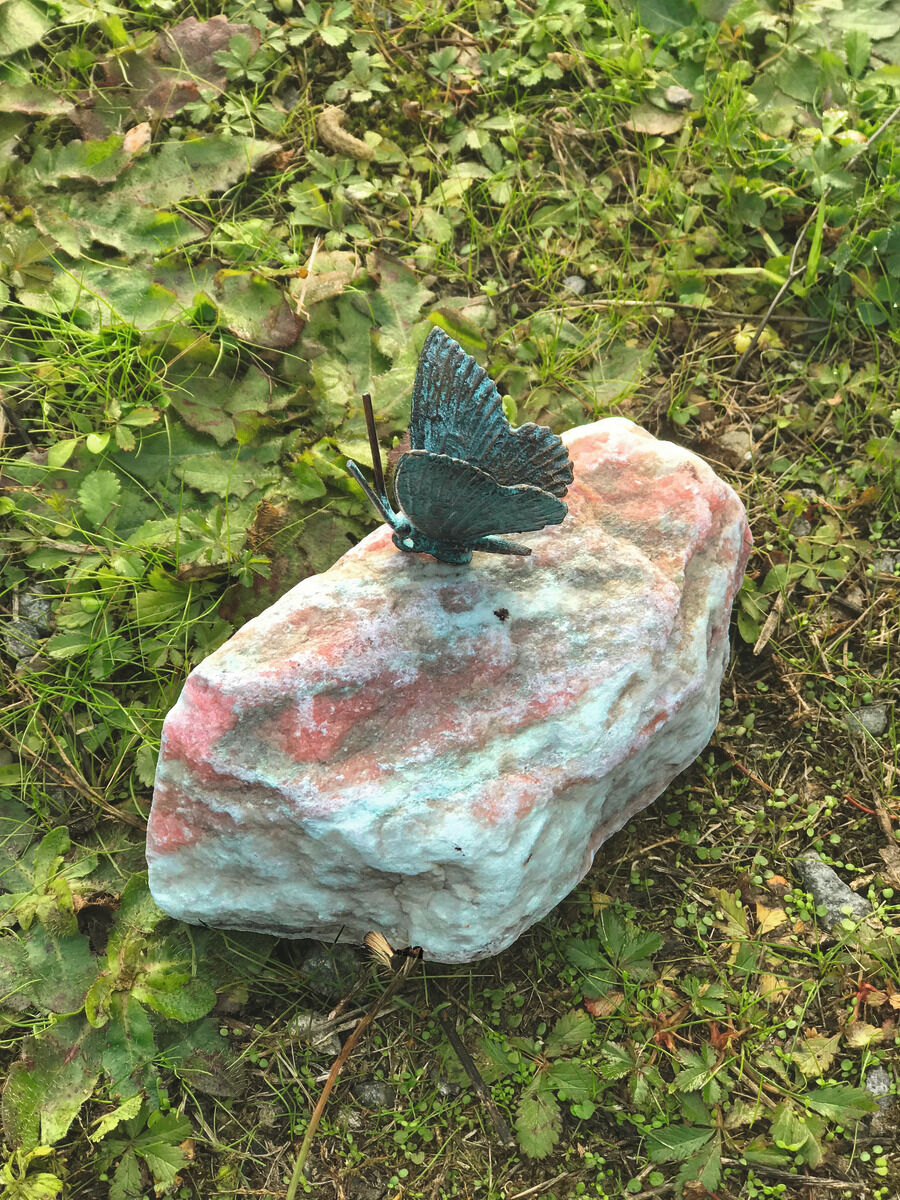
(467, 474)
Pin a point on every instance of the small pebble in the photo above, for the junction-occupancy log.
(801, 527)
(331, 970)
(374, 1093)
(880, 1085)
(36, 607)
(871, 718)
(678, 96)
(830, 891)
(886, 564)
(21, 639)
(739, 441)
(574, 283)
(313, 1030)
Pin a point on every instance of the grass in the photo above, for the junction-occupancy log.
(174, 440)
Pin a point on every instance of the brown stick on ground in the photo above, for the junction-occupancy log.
(478, 1083)
(365, 1022)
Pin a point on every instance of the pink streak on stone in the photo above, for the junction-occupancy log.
(204, 716)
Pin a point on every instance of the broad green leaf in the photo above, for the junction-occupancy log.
(126, 1182)
(498, 1060)
(538, 1123)
(129, 1046)
(60, 969)
(436, 227)
(618, 1061)
(232, 475)
(858, 48)
(452, 189)
(60, 452)
(160, 1145)
(131, 214)
(109, 1121)
(99, 161)
(188, 1002)
(789, 1129)
(842, 1103)
(571, 1080)
(14, 992)
(705, 1166)
(20, 1182)
(676, 1142)
(46, 1088)
(665, 16)
(815, 1054)
(569, 1032)
(99, 495)
(22, 24)
(585, 953)
(120, 293)
(255, 309)
(28, 98)
(875, 21)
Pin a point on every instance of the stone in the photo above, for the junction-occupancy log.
(880, 1085)
(678, 96)
(330, 971)
(22, 638)
(373, 1093)
(576, 284)
(829, 891)
(870, 718)
(436, 751)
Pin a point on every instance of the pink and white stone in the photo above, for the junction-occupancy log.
(436, 752)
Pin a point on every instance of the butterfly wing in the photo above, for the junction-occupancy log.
(457, 412)
(455, 501)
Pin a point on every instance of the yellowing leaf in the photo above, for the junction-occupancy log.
(860, 1034)
(772, 989)
(816, 1054)
(769, 918)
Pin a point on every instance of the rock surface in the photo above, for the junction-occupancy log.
(436, 752)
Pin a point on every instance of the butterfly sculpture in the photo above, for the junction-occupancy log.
(468, 475)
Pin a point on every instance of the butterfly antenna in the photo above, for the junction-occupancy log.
(374, 448)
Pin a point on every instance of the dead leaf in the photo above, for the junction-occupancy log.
(605, 1006)
(379, 947)
(891, 856)
(678, 96)
(137, 138)
(159, 80)
(330, 128)
(654, 121)
(772, 989)
(860, 1034)
(769, 918)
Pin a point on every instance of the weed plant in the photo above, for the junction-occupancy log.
(686, 212)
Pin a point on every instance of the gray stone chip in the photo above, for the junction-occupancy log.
(830, 891)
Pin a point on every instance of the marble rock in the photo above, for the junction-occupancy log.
(436, 752)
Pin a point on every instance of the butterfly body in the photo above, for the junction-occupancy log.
(469, 476)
